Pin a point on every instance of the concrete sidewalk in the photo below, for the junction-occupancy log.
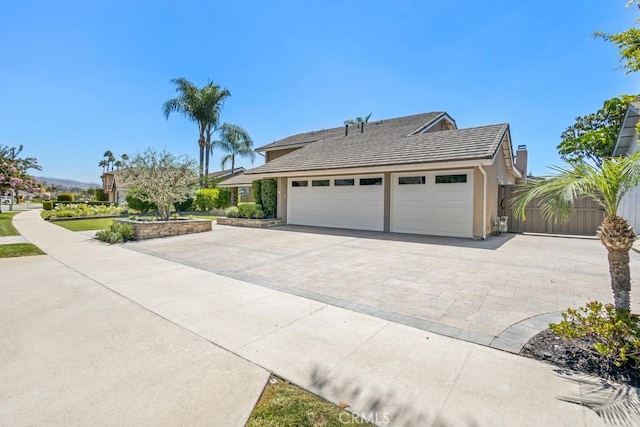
(387, 372)
(72, 352)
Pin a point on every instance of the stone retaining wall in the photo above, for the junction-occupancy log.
(152, 229)
(245, 222)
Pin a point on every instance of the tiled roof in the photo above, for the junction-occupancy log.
(225, 172)
(388, 147)
(238, 180)
(402, 125)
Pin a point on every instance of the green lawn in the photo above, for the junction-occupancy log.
(85, 224)
(6, 228)
(211, 217)
(19, 249)
(284, 404)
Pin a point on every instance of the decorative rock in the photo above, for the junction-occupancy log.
(246, 222)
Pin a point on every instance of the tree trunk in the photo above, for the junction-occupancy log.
(206, 162)
(620, 278)
(201, 166)
(234, 190)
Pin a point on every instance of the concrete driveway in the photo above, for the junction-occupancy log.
(473, 290)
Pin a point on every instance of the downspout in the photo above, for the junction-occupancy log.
(484, 202)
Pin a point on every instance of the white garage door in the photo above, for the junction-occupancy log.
(434, 203)
(355, 202)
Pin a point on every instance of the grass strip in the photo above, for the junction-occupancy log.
(285, 404)
(6, 227)
(19, 250)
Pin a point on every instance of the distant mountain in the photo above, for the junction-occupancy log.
(66, 184)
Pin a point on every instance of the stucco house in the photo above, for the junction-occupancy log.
(113, 184)
(627, 144)
(417, 174)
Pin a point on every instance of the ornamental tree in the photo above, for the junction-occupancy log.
(592, 138)
(13, 171)
(162, 178)
(627, 42)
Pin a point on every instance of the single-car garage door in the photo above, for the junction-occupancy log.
(434, 203)
(355, 202)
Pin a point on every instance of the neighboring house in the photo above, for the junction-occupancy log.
(243, 183)
(115, 187)
(245, 192)
(226, 173)
(417, 174)
(627, 144)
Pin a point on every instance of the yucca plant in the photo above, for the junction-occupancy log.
(607, 184)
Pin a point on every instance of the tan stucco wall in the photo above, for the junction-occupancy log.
(497, 174)
(271, 155)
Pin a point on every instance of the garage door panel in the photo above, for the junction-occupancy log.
(350, 206)
(451, 196)
(444, 209)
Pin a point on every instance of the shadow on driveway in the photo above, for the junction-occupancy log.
(491, 243)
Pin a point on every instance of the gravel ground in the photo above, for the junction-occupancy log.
(551, 348)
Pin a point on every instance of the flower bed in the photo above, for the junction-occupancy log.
(143, 230)
(83, 210)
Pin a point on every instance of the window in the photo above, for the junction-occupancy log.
(451, 179)
(299, 183)
(370, 181)
(320, 183)
(406, 180)
(343, 182)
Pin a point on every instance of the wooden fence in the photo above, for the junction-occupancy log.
(585, 217)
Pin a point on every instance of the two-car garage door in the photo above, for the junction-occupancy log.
(355, 202)
(433, 203)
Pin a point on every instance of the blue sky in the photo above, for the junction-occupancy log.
(80, 77)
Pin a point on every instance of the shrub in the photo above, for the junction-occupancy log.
(269, 196)
(256, 186)
(232, 212)
(118, 232)
(615, 334)
(184, 206)
(67, 210)
(205, 198)
(250, 210)
(47, 205)
(100, 195)
(223, 200)
(140, 205)
(65, 197)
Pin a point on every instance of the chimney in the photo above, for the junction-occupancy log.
(521, 160)
(346, 129)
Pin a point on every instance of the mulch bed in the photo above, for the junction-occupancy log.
(550, 348)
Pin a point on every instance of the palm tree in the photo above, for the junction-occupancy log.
(201, 105)
(358, 120)
(104, 165)
(235, 141)
(110, 159)
(606, 184)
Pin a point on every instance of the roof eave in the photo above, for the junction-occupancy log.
(627, 130)
(434, 165)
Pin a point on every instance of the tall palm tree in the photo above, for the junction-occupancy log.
(606, 184)
(104, 165)
(109, 157)
(200, 105)
(235, 141)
